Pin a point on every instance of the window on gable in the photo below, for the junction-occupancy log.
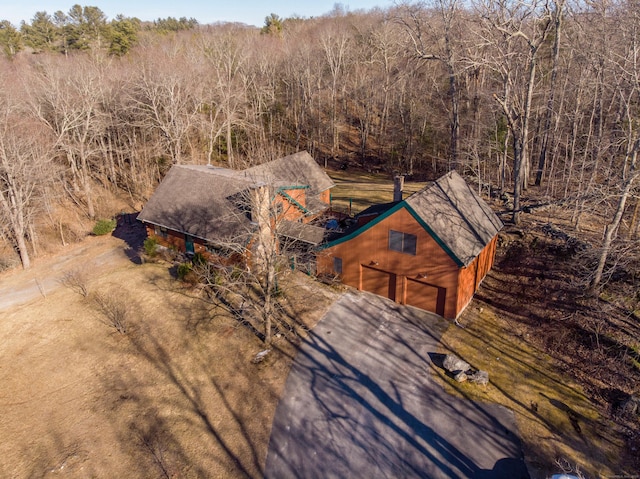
(402, 242)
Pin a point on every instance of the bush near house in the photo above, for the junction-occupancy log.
(104, 227)
(150, 246)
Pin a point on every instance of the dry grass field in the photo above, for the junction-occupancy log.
(558, 423)
(357, 191)
(176, 395)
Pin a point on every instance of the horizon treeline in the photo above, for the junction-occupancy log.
(513, 95)
(82, 28)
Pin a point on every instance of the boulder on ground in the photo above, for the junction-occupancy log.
(479, 377)
(454, 364)
(258, 358)
(630, 406)
(461, 377)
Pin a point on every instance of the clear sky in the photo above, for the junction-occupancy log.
(251, 12)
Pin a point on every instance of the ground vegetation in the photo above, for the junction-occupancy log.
(536, 104)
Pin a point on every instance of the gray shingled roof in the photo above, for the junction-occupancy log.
(201, 201)
(210, 202)
(302, 232)
(297, 169)
(456, 215)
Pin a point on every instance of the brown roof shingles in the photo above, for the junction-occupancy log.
(456, 215)
(197, 203)
(212, 203)
(297, 169)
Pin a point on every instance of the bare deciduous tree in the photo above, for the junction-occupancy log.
(23, 175)
(68, 101)
(244, 273)
(335, 45)
(163, 95)
(626, 71)
(226, 89)
(76, 280)
(516, 31)
(439, 47)
(116, 307)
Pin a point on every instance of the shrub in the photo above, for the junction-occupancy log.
(104, 227)
(151, 247)
(115, 307)
(183, 270)
(199, 259)
(76, 280)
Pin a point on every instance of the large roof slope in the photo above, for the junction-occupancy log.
(212, 203)
(455, 213)
(200, 201)
(297, 169)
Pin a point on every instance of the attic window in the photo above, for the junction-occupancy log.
(402, 242)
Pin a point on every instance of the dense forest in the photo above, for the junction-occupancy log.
(528, 100)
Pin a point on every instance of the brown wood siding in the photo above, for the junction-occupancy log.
(176, 240)
(291, 211)
(471, 276)
(425, 296)
(173, 239)
(372, 246)
(325, 196)
(382, 283)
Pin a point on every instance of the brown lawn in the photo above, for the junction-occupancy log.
(176, 396)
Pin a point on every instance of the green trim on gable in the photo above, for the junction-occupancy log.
(365, 227)
(385, 215)
(293, 201)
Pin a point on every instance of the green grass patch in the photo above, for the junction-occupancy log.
(555, 419)
(358, 191)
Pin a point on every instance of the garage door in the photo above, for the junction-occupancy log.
(377, 281)
(425, 296)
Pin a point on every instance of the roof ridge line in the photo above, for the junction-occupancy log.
(463, 216)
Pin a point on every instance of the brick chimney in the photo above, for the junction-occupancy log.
(398, 186)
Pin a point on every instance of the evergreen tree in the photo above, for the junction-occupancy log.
(85, 27)
(122, 34)
(10, 39)
(41, 34)
(272, 25)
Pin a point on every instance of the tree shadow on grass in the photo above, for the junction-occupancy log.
(133, 233)
(184, 414)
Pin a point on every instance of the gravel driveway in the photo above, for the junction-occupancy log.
(93, 256)
(360, 401)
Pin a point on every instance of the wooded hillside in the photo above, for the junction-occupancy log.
(528, 100)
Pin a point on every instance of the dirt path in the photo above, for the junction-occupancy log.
(96, 254)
